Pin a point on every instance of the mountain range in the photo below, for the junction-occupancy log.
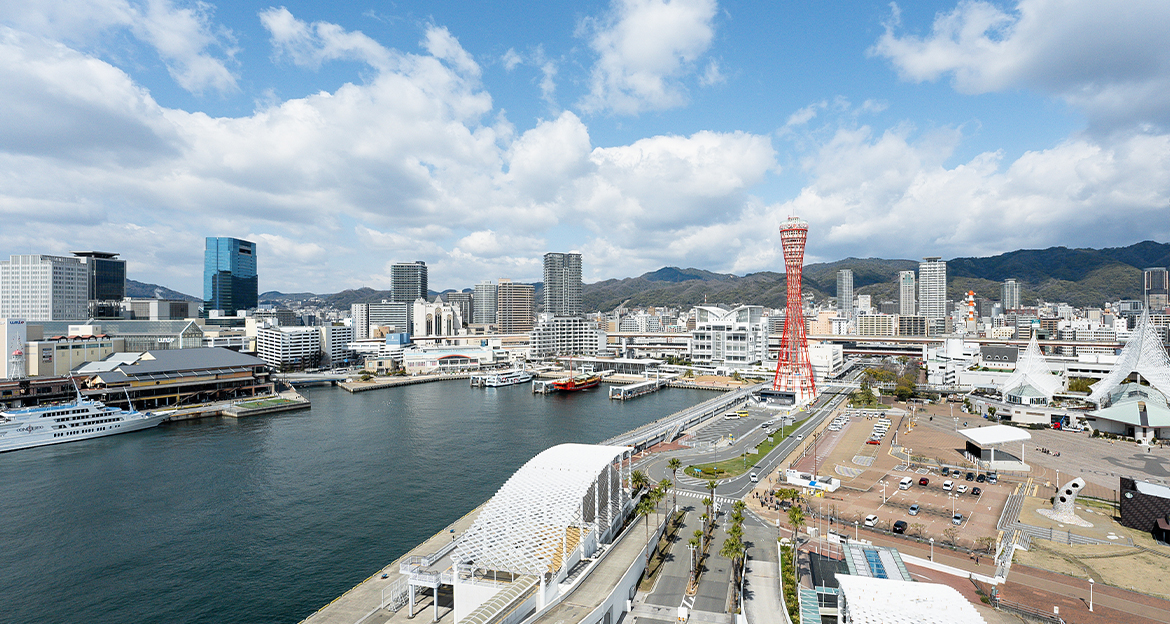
(1080, 277)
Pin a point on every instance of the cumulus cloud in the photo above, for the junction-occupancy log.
(309, 45)
(1108, 59)
(644, 48)
(186, 39)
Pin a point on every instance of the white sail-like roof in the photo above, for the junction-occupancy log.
(525, 526)
(1145, 355)
(1031, 369)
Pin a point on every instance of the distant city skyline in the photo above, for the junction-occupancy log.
(639, 133)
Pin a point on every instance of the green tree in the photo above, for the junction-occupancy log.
(733, 549)
(674, 464)
(638, 480)
(796, 518)
(695, 543)
(645, 508)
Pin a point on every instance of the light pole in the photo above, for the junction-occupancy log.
(1090, 593)
(856, 536)
(932, 549)
(883, 491)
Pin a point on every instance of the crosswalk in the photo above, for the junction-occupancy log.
(718, 499)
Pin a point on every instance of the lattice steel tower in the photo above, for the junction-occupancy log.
(794, 370)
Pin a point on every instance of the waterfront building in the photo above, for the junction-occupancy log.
(484, 302)
(408, 281)
(463, 301)
(1010, 295)
(37, 287)
(906, 300)
(58, 355)
(335, 339)
(865, 598)
(1156, 288)
(158, 309)
(229, 275)
(652, 345)
(395, 315)
(562, 284)
(845, 294)
(107, 282)
(515, 307)
(734, 338)
(289, 348)
(174, 377)
(1032, 382)
(932, 293)
(435, 318)
(447, 359)
(566, 335)
(137, 335)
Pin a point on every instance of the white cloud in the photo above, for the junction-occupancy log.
(1109, 59)
(309, 45)
(644, 48)
(184, 38)
(511, 59)
(442, 45)
(712, 75)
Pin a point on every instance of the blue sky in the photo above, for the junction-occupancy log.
(476, 136)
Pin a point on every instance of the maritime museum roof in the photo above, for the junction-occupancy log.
(546, 507)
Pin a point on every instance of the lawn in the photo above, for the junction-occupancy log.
(739, 464)
(263, 403)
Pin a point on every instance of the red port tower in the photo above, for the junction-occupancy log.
(794, 374)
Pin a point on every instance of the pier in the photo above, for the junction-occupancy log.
(641, 388)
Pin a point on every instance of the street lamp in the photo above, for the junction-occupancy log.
(1090, 593)
(884, 484)
(932, 549)
(855, 534)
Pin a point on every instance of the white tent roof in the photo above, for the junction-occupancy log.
(1031, 369)
(1143, 354)
(887, 601)
(995, 434)
(522, 527)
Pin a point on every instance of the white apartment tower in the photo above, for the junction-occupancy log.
(845, 293)
(1010, 295)
(37, 287)
(562, 284)
(932, 293)
(906, 293)
(484, 303)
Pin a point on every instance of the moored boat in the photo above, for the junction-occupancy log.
(502, 378)
(80, 419)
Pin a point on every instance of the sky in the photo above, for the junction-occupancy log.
(476, 136)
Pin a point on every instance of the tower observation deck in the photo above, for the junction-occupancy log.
(794, 374)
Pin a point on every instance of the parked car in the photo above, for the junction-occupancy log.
(970, 476)
(944, 472)
(976, 491)
(914, 509)
(957, 519)
(872, 441)
(992, 478)
(871, 520)
(900, 526)
(924, 481)
(962, 489)
(981, 478)
(948, 485)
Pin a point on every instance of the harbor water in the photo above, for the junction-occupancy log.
(269, 518)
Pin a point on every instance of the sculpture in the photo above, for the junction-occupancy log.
(1063, 509)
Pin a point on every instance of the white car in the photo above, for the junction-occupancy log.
(871, 520)
(799, 438)
(948, 485)
(754, 478)
(962, 489)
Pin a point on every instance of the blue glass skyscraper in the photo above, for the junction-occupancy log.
(229, 275)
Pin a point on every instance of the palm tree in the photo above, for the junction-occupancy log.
(638, 480)
(695, 542)
(664, 487)
(711, 485)
(733, 549)
(706, 503)
(796, 517)
(645, 508)
(739, 506)
(706, 538)
(674, 464)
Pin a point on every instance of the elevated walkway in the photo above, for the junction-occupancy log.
(504, 603)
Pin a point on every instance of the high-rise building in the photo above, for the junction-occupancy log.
(1156, 288)
(906, 293)
(484, 302)
(1010, 295)
(107, 282)
(462, 301)
(932, 293)
(408, 281)
(515, 307)
(360, 313)
(229, 275)
(562, 284)
(36, 287)
(395, 314)
(845, 293)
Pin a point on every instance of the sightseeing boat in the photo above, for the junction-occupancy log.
(502, 378)
(578, 382)
(80, 419)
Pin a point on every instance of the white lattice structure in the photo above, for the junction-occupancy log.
(552, 504)
(1145, 355)
(1032, 370)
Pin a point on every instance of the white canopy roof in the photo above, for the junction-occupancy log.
(995, 434)
(886, 601)
(1031, 369)
(1145, 355)
(522, 528)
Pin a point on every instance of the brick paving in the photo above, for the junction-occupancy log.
(1043, 590)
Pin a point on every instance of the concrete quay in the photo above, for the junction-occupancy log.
(363, 386)
(237, 408)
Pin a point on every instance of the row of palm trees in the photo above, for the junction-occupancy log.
(649, 502)
(733, 547)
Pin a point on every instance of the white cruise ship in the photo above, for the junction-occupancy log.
(503, 378)
(81, 419)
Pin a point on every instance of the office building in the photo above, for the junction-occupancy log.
(1010, 295)
(57, 356)
(1156, 288)
(408, 281)
(461, 301)
(158, 309)
(335, 341)
(37, 287)
(289, 348)
(877, 325)
(107, 282)
(845, 293)
(484, 302)
(932, 293)
(906, 300)
(911, 325)
(562, 284)
(515, 307)
(391, 316)
(229, 275)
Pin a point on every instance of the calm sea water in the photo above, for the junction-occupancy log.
(269, 518)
